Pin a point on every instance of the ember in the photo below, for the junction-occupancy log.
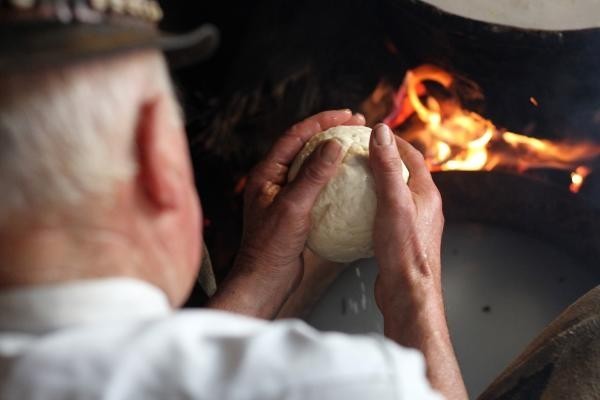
(454, 138)
(534, 101)
(577, 178)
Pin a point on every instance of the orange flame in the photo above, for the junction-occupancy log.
(453, 138)
(577, 178)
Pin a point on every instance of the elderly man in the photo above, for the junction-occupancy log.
(100, 238)
(100, 242)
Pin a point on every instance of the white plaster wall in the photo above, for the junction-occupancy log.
(534, 14)
(501, 289)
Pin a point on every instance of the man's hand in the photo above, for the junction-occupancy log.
(407, 240)
(408, 224)
(269, 265)
(319, 274)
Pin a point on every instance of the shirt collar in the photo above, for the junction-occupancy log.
(45, 308)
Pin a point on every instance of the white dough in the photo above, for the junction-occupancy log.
(553, 15)
(342, 218)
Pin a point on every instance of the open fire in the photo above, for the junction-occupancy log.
(428, 113)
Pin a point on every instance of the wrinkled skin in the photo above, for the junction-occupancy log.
(277, 217)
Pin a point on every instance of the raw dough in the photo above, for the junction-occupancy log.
(342, 218)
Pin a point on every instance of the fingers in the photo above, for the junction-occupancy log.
(274, 167)
(386, 166)
(285, 149)
(265, 195)
(317, 170)
(420, 178)
(357, 119)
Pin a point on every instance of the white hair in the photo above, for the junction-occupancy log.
(68, 133)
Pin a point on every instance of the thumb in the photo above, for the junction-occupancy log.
(316, 172)
(387, 167)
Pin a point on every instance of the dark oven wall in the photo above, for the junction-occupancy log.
(280, 61)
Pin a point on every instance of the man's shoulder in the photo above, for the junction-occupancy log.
(188, 351)
(292, 356)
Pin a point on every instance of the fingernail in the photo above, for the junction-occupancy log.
(346, 110)
(359, 115)
(330, 151)
(383, 135)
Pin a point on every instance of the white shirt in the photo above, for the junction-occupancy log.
(118, 339)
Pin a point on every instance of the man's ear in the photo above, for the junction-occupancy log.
(156, 170)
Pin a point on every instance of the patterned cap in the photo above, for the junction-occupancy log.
(42, 33)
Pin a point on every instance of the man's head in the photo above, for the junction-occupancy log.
(95, 176)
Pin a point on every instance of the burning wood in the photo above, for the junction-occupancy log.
(454, 138)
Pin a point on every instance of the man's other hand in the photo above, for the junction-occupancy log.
(407, 239)
(270, 265)
(409, 221)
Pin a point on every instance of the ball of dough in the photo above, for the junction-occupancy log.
(343, 215)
